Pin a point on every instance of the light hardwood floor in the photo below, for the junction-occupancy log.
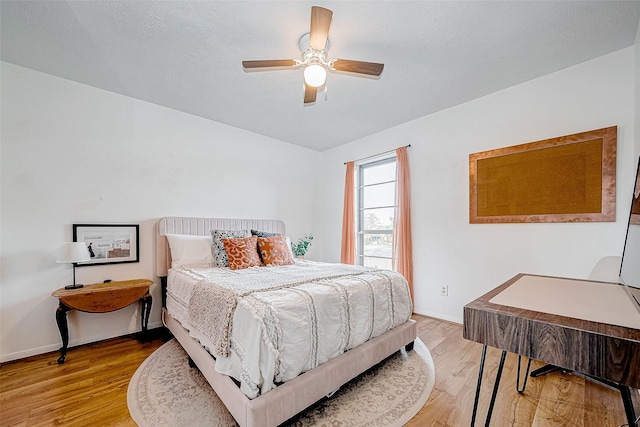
(90, 389)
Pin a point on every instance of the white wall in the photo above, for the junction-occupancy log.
(473, 259)
(75, 154)
(637, 91)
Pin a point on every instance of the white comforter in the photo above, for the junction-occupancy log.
(277, 334)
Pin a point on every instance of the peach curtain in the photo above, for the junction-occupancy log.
(348, 254)
(402, 248)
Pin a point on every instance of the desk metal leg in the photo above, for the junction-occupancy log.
(479, 386)
(628, 406)
(546, 369)
(495, 387)
(475, 401)
(625, 392)
(526, 376)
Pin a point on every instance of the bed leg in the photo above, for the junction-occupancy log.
(409, 346)
(163, 287)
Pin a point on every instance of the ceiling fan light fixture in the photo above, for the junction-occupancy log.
(315, 75)
(314, 46)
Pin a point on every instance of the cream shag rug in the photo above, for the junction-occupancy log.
(165, 391)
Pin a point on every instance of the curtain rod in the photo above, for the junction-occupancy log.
(379, 154)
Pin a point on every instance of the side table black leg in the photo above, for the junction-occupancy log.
(145, 311)
(61, 319)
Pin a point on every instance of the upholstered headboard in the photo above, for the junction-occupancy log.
(202, 227)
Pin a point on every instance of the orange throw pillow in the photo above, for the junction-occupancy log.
(274, 250)
(242, 252)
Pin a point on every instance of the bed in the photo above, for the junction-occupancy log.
(283, 399)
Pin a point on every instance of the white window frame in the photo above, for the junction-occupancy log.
(360, 210)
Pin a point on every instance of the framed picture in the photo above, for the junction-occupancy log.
(570, 178)
(109, 243)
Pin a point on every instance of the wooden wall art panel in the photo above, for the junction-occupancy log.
(570, 178)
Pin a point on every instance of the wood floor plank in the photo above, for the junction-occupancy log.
(605, 405)
(90, 389)
(518, 409)
(561, 401)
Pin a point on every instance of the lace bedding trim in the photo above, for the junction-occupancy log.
(215, 295)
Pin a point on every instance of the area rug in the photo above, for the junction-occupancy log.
(165, 391)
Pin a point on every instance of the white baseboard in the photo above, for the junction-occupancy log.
(72, 343)
(441, 316)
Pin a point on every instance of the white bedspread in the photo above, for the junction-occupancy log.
(292, 327)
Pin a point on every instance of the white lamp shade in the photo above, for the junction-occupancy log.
(315, 75)
(71, 252)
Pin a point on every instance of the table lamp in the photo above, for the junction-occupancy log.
(73, 252)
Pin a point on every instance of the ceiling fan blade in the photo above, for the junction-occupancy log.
(310, 93)
(320, 23)
(360, 67)
(265, 63)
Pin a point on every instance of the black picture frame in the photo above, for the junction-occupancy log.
(109, 243)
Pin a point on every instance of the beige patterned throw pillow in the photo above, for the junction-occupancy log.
(274, 250)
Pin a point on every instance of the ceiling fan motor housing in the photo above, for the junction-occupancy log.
(310, 55)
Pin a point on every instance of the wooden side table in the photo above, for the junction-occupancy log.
(101, 298)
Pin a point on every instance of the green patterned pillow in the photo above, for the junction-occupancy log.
(264, 233)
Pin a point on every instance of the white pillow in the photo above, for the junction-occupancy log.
(193, 251)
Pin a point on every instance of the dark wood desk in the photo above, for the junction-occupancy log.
(101, 298)
(598, 349)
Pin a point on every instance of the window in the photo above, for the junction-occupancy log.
(376, 209)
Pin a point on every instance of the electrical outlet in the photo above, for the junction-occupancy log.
(444, 290)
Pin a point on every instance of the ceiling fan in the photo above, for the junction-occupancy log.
(314, 46)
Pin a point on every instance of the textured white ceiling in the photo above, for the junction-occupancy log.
(187, 55)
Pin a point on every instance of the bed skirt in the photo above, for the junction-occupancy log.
(292, 397)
